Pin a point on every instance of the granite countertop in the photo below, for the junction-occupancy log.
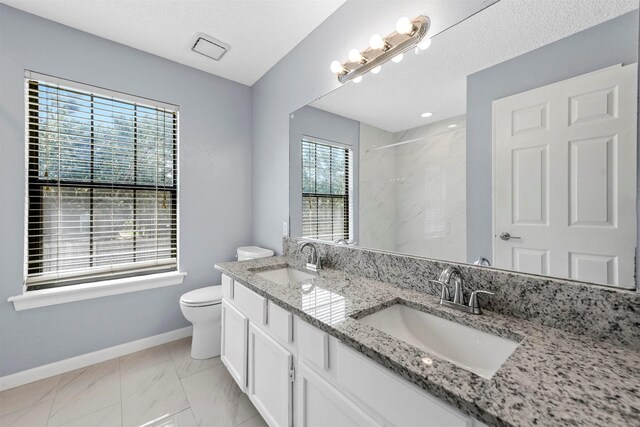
(552, 378)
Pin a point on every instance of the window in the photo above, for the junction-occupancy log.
(102, 185)
(326, 178)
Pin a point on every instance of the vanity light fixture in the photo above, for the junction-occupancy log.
(426, 114)
(408, 35)
(404, 26)
(355, 55)
(423, 45)
(376, 42)
(336, 67)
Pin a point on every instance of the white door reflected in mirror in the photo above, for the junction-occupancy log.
(565, 178)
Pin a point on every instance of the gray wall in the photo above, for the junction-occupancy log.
(610, 43)
(319, 124)
(214, 180)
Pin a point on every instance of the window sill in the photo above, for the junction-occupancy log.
(62, 295)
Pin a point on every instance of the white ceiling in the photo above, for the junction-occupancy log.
(260, 32)
(435, 80)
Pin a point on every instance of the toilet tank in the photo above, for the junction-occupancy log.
(253, 252)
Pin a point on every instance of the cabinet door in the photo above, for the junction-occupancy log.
(319, 404)
(233, 351)
(270, 385)
(395, 399)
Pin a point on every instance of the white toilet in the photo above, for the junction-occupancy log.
(202, 307)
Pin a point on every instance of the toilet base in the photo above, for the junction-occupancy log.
(205, 343)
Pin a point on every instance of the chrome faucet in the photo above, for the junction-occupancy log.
(482, 261)
(454, 274)
(314, 261)
(449, 274)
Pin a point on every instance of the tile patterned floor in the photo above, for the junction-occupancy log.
(158, 387)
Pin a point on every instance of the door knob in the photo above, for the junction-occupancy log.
(506, 236)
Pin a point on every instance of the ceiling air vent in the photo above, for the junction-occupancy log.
(209, 47)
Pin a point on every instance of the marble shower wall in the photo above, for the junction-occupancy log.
(431, 191)
(601, 313)
(412, 196)
(377, 213)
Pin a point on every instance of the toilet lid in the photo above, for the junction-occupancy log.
(210, 294)
(254, 252)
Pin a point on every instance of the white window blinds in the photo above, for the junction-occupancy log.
(102, 185)
(326, 186)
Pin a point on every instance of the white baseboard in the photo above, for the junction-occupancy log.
(67, 365)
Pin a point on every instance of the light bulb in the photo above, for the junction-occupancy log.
(357, 79)
(424, 44)
(452, 126)
(355, 55)
(377, 69)
(404, 25)
(426, 114)
(336, 67)
(376, 42)
(397, 58)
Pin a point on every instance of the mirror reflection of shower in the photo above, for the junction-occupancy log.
(412, 189)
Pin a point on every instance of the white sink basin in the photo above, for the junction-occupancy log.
(476, 351)
(285, 276)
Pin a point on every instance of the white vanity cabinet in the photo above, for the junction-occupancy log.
(262, 367)
(270, 381)
(297, 375)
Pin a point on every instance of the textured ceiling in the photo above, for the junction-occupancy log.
(435, 80)
(260, 32)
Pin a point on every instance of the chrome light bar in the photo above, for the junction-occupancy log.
(408, 34)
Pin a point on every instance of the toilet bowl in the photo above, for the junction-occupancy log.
(202, 307)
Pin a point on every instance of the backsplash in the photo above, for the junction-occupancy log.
(583, 309)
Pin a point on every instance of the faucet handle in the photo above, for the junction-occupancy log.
(473, 301)
(445, 295)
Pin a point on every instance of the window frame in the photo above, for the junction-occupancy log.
(35, 191)
(348, 197)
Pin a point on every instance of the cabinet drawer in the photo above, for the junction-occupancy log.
(280, 323)
(313, 344)
(227, 287)
(251, 304)
(400, 402)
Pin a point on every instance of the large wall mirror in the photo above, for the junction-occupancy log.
(511, 142)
